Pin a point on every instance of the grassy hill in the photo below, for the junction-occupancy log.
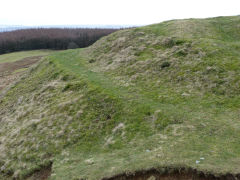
(163, 97)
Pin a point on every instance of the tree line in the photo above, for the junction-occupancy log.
(54, 38)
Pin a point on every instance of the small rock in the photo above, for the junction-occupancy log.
(202, 158)
(209, 68)
(147, 150)
(197, 162)
(89, 161)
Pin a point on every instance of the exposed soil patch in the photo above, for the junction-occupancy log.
(172, 174)
(6, 70)
(42, 174)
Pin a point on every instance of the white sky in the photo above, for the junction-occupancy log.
(134, 12)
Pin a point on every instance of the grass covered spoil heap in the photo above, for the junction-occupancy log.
(163, 97)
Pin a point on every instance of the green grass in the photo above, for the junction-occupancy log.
(115, 107)
(20, 70)
(12, 57)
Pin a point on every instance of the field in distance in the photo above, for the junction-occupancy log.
(13, 65)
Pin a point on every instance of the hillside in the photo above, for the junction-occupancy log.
(160, 100)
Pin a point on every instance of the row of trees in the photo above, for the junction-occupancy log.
(30, 39)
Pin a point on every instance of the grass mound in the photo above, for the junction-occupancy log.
(165, 95)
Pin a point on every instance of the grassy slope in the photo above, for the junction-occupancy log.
(164, 95)
(12, 57)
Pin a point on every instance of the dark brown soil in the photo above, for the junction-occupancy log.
(172, 174)
(151, 174)
(6, 70)
(42, 174)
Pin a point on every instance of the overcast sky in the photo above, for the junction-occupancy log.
(114, 12)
